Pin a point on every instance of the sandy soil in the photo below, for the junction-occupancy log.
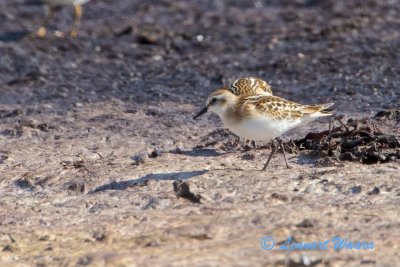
(95, 130)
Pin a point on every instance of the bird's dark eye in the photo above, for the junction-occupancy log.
(213, 100)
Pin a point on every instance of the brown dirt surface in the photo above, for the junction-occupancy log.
(101, 163)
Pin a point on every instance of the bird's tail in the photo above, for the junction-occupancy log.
(319, 110)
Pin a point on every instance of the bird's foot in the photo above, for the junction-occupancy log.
(41, 32)
(74, 33)
(59, 34)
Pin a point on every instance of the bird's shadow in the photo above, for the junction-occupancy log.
(203, 152)
(307, 159)
(122, 185)
(13, 36)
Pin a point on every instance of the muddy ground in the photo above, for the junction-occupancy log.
(95, 130)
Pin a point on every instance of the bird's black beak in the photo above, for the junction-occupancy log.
(204, 110)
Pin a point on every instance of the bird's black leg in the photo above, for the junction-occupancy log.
(254, 144)
(341, 123)
(273, 147)
(283, 151)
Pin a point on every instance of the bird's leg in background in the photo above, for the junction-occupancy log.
(283, 151)
(77, 19)
(273, 147)
(254, 144)
(338, 118)
(41, 32)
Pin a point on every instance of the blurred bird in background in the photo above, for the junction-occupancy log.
(53, 5)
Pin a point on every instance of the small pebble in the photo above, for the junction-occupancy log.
(310, 188)
(306, 223)
(155, 153)
(374, 191)
(356, 189)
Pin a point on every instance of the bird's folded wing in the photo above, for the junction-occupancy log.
(279, 108)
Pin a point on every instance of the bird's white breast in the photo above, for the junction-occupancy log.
(260, 128)
(64, 2)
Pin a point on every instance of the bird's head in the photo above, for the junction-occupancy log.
(218, 102)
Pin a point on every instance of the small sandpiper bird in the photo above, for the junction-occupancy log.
(53, 4)
(249, 86)
(261, 117)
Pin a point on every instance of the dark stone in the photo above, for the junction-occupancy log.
(374, 191)
(182, 190)
(356, 189)
(306, 223)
